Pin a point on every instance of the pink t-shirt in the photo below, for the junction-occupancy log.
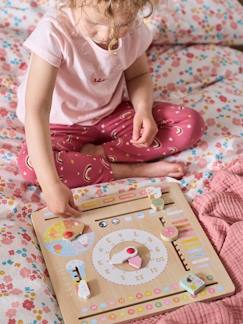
(90, 82)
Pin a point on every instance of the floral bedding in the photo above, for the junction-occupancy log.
(197, 21)
(205, 77)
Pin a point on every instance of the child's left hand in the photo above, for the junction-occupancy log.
(144, 129)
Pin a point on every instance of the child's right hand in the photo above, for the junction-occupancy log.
(59, 200)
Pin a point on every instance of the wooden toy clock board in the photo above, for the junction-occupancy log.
(86, 249)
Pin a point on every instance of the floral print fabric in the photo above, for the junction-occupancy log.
(197, 21)
(207, 78)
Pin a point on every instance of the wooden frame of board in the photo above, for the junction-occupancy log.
(119, 293)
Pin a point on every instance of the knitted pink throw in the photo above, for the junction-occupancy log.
(220, 212)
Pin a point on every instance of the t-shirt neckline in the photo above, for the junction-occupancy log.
(90, 41)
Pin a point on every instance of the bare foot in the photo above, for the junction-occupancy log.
(150, 170)
(163, 168)
(92, 149)
(147, 169)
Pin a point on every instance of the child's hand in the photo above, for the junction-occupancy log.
(59, 200)
(144, 129)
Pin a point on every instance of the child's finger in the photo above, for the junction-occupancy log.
(144, 138)
(71, 211)
(140, 143)
(149, 141)
(72, 203)
(135, 132)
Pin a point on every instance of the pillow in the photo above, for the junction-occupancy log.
(197, 21)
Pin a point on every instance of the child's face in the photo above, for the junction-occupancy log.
(98, 27)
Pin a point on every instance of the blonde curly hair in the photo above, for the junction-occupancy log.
(109, 7)
(111, 4)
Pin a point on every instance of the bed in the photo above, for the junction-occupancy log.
(196, 69)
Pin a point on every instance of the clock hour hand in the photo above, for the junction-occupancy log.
(124, 255)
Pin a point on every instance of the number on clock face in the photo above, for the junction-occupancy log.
(103, 250)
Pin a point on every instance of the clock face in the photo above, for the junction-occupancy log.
(150, 249)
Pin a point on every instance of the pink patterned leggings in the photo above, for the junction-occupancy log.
(179, 129)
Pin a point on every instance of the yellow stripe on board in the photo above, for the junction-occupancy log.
(192, 239)
(191, 246)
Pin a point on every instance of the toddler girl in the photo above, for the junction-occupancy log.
(87, 103)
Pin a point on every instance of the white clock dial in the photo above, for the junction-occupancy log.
(156, 264)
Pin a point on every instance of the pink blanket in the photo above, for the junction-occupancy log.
(220, 212)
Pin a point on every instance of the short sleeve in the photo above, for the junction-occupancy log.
(143, 37)
(46, 41)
